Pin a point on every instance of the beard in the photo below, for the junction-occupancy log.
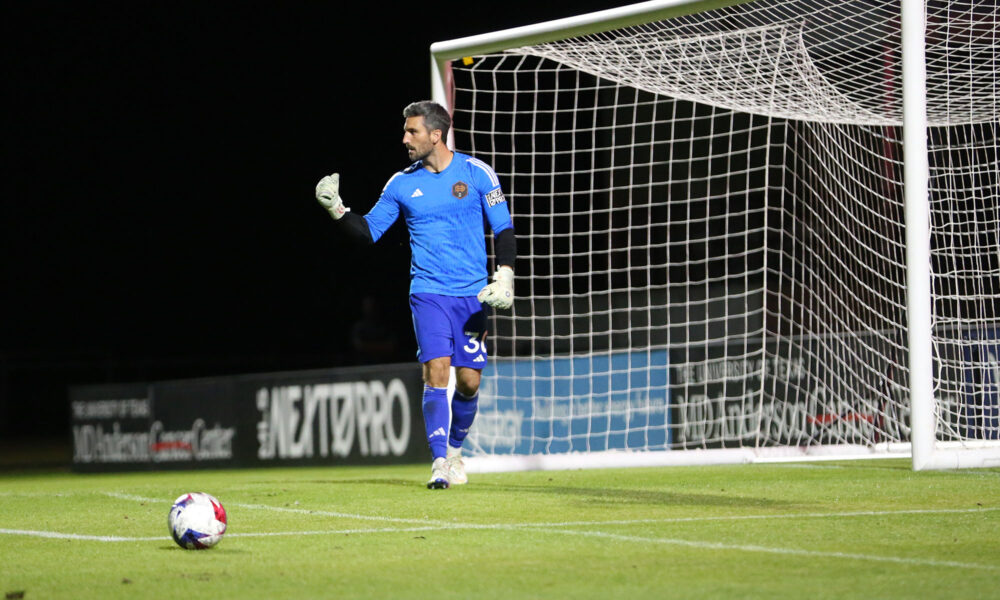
(416, 154)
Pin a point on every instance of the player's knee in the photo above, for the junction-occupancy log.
(467, 388)
(467, 391)
(437, 372)
(467, 382)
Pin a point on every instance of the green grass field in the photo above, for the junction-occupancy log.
(867, 529)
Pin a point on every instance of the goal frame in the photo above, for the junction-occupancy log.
(923, 449)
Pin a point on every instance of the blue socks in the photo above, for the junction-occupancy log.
(436, 419)
(463, 413)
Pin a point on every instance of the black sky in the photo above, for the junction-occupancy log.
(158, 218)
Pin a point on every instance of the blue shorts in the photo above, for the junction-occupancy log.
(450, 326)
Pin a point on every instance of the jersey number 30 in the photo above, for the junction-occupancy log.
(475, 346)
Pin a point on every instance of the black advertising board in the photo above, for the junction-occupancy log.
(793, 392)
(111, 425)
(367, 415)
(370, 415)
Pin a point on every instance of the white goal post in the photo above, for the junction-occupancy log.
(748, 231)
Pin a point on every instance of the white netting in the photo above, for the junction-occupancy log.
(711, 239)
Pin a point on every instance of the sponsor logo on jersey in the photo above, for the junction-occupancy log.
(460, 190)
(416, 193)
(495, 197)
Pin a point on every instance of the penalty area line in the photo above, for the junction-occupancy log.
(422, 525)
(701, 545)
(832, 515)
(928, 562)
(297, 511)
(452, 525)
(57, 535)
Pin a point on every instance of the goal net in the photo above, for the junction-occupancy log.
(711, 220)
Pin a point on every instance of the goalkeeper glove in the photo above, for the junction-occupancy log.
(328, 194)
(500, 293)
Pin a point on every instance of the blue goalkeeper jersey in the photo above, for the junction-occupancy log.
(444, 214)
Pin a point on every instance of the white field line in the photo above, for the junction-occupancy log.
(299, 511)
(438, 525)
(534, 527)
(983, 472)
(772, 550)
(863, 513)
(557, 528)
(117, 538)
(446, 524)
(76, 536)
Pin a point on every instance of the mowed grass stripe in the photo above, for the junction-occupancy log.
(756, 531)
(826, 515)
(701, 545)
(554, 528)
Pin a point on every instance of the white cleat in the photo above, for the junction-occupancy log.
(439, 475)
(456, 470)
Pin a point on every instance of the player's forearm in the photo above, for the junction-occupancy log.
(505, 245)
(355, 227)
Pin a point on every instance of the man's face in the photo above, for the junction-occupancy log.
(418, 140)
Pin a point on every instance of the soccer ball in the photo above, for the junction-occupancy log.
(197, 521)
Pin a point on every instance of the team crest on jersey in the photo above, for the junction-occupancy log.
(460, 190)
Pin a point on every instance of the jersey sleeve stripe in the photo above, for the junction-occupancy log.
(485, 167)
(397, 174)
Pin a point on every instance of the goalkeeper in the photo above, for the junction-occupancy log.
(443, 197)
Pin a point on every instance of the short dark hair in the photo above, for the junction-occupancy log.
(435, 116)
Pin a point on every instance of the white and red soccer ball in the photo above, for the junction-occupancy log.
(197, 521)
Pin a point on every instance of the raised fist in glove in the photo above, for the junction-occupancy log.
(500, 293)
(328, 194)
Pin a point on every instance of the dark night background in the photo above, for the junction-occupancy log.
(158, 218)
